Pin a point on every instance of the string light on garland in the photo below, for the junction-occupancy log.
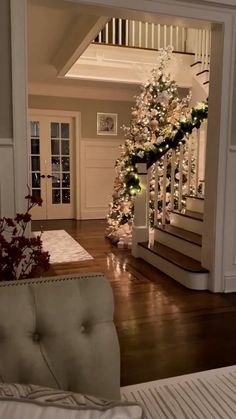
(160, 121)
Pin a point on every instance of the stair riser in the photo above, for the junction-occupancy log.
(190, 224)
(195, 281)
(181, 245)
(202, 77)
(193, 204)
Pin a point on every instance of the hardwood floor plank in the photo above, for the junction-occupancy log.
(164, 329)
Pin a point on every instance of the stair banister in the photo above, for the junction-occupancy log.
(140, 231)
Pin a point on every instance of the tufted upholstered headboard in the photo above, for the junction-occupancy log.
(59, 332)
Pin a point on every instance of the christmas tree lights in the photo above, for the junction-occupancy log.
(161, 121)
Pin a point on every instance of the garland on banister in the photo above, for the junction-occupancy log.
(154, 152)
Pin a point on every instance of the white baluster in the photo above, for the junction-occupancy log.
(197, 139)
(196, 46)
(146, 34)
(140, 34)
(126, 32)
(203, 49)
(207, 51)
(171, 35)
(106, 33)
(199, 44)
(156, 194)
(152, 35)
(202, 153)
(158, 36)
(114, 31)
(183, 40)
(100, 37)
(189, 165)
(120, 32)
(204, 157)
(133, 33)
(180, 176)
(177, 37)
(165, 35)
(172, 179)
(164, 190)
(209, 54)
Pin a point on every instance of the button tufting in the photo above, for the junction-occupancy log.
(36, 337)
(82, 328)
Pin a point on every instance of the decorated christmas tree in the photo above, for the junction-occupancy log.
(160, 121)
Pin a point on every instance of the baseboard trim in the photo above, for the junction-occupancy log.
(93, 215)
(230, 282)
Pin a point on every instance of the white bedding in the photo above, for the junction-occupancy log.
(205, 395)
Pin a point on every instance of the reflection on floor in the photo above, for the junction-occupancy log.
(164, 329)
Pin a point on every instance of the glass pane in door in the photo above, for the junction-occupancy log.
(55, 130)
(35, 158)
(60, 162)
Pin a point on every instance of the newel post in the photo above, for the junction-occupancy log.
(140, 232)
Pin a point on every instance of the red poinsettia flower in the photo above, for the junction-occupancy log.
(19, 254)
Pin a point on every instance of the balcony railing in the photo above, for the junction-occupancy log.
(137, 34)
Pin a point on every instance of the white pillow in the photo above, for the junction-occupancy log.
(19, 401)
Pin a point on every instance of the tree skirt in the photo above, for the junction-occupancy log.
(62, 247)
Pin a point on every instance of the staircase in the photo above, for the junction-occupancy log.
(177, 245)
(176, 249)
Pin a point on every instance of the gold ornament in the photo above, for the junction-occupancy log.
(154, 124)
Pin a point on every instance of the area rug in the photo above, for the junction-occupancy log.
(205, 395)
(62, 247)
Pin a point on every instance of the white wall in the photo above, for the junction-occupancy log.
(97, 175)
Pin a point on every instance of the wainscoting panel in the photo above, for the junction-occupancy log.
(97, 175)
(229, 265)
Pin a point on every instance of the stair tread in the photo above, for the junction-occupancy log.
(175, 257)
(190, 214)
(181, 233)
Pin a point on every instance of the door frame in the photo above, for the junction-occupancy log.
(216, 243)
(76, 117)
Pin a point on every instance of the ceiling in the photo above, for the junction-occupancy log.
(58, 32)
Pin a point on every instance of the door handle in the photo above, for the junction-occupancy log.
(49, 176)
(43, 176)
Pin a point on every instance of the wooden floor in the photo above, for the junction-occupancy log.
(164, 329)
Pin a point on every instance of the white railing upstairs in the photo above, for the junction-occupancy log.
(137, 34)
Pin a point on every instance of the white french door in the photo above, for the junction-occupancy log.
(51, 166)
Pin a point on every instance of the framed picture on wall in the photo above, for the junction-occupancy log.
(106, 123)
